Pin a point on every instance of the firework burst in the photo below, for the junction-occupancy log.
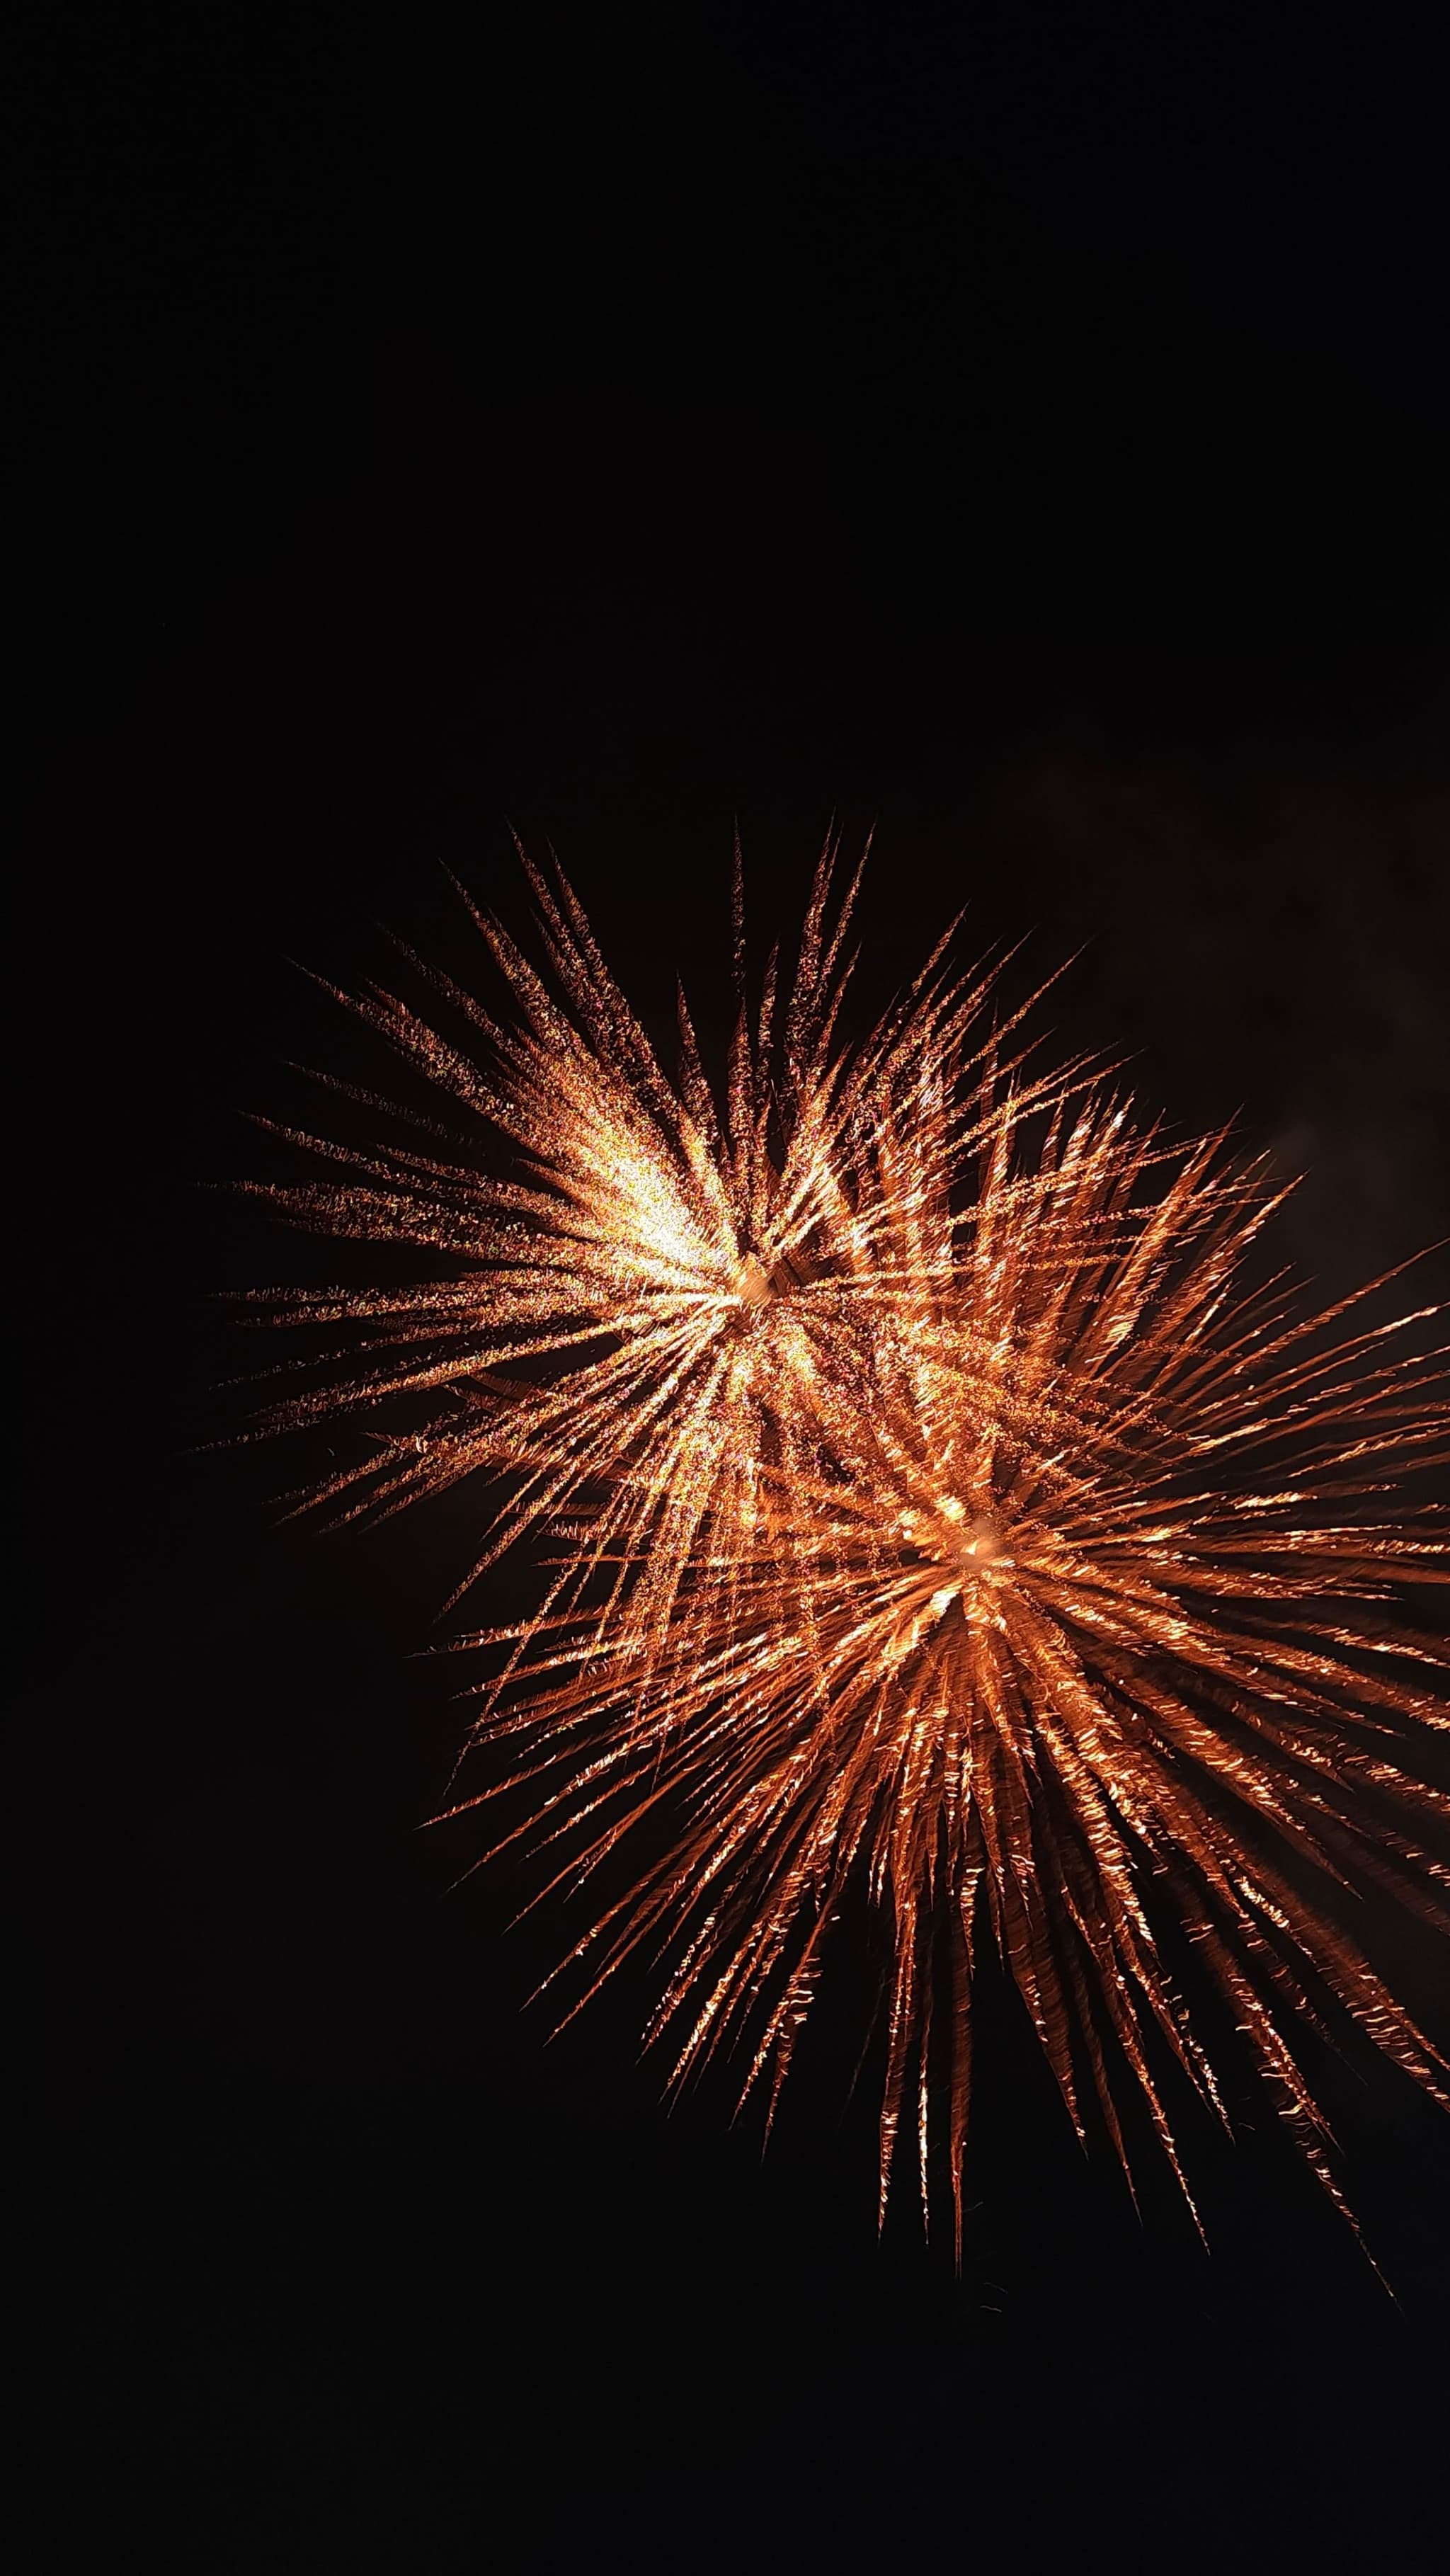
(1094, 1627)
(937, 1510)
(660, 1299)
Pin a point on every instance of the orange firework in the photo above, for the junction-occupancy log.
(663, 1299)
(1095, 1620)
(937, 1509)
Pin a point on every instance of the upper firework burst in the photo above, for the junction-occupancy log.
(667, 1295)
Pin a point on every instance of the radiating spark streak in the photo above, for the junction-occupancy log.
(933, 1508)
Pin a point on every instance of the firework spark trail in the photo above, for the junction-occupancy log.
(935, 1511)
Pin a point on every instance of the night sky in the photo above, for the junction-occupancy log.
(1018, 428)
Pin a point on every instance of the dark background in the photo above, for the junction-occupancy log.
(1019, 427)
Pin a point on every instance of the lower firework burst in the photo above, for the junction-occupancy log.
(1083, 1642)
